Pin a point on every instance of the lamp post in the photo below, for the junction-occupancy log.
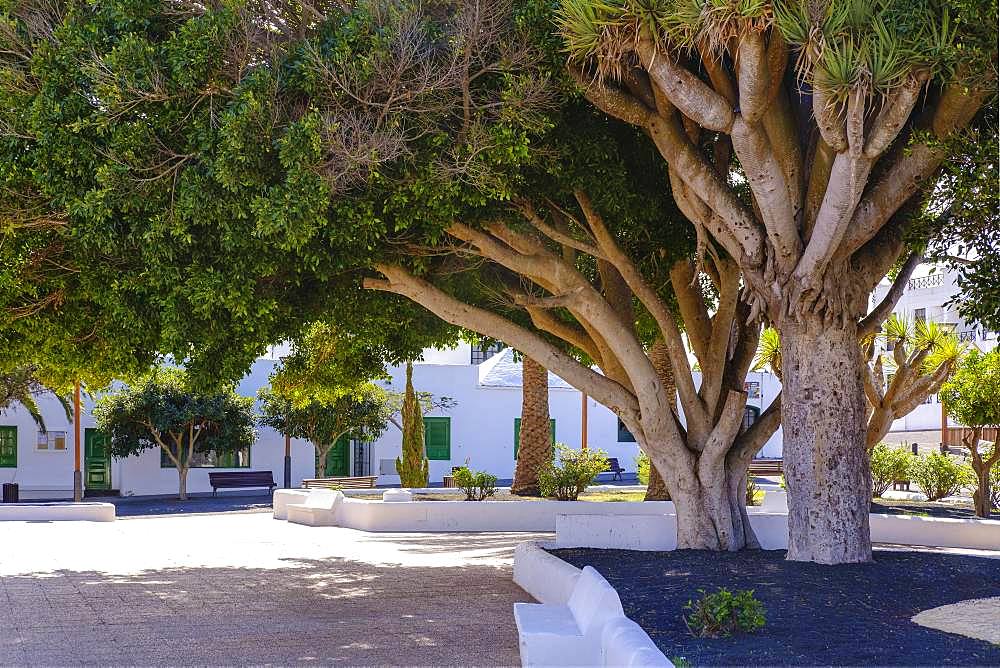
(77, 475)
(583, 421)
(288, 461)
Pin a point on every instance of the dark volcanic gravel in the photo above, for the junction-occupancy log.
(857, 615)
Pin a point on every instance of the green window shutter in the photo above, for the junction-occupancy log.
(517, 433)
(8, 447)
(437, 437)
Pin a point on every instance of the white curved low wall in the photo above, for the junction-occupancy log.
(655, 533)
(371, 515)
(57, 512)
(550, 580)
(283, 497)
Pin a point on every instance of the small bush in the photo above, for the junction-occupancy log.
(572, 471)
(888, 466)
(753, 492)
(938, 475)
(724, 613)
(642, 467)
(477, 485)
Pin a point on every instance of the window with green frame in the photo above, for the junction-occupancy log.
(437, 437)
(8, 447)
(517, 433)
(210, 460)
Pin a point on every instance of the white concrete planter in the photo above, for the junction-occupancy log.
(481, 515)
(656, 533)
(614, 641)
(57, 512)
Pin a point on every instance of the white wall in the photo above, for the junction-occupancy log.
(49, 474)
(482, 424)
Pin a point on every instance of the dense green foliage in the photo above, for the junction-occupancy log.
(723, 613)
(972, 396)
(938, 475)
(888, 465)
(362, 412)
(570, 472)
(163, 409)
(412, 465)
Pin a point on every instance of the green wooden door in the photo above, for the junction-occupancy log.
(338, 459)
(97, 460)
(437, 438)
(517, 433)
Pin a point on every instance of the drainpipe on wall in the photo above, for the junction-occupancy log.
(77, 475)
(288, 461)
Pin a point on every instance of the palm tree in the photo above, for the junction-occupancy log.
(656, 489)
(21, 385)
(535, 439)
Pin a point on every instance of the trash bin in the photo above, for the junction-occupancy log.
(10, 492)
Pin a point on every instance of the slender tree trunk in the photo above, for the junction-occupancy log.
(182, 475)
(825, 458)
(535, 447)
(981, 497)
(659, 356)
(321, 453)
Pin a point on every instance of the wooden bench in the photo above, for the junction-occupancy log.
(568, 635)
(240, 479)
(766, 467)
(615, 467)
(340, 482)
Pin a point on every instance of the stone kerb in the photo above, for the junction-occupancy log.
(57, 512)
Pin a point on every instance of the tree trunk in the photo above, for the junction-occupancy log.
(711, 510)
(825, 458)
(182, 475)
(981, 497)
(656, 490)
(659, 357)
(321, 454)
(535, 446)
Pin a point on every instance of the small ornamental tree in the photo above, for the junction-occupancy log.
(161, 410)
(922, 357)
(972, 397)
(412, 466)
(361, 412)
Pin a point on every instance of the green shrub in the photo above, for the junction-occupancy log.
(938, 475)
(477, 485)
(888, 466)
(571, 472)
(642, 467)
(753, 492)
(723, 613)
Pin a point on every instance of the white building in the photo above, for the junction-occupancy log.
(926, 297)
(479, 430)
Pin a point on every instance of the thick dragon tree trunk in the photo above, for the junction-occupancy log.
(535, 440)
(826, 461)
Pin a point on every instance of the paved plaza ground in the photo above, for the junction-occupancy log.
(238, 588)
